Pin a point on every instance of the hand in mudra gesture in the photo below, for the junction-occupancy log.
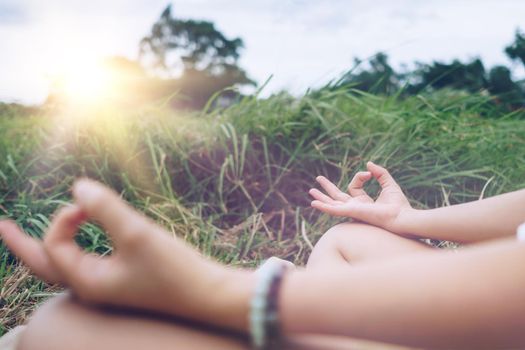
(149, 269)
(386, 211)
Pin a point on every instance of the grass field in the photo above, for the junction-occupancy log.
(234, 182)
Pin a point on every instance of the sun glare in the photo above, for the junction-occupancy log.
(85, 82)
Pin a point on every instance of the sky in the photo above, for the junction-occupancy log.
(300, 43)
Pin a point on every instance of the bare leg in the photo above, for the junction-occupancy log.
(355, 243)
(64, 324)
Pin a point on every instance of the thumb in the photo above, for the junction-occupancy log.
(59, 244)
(84, 273)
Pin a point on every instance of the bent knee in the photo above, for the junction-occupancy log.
(348, 231)
(360, 242)
(337, 244)
(44, 328)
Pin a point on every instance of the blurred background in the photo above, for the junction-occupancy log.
(196, 48)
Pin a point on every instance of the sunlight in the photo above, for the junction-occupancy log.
(85, 82)
(88, 83)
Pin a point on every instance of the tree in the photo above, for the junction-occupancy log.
(516, 50)
(456, 75)
(203, 58)
(196, 44)
(501, 85)
(379, 78)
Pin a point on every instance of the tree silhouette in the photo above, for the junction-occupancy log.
(501, 85)
(204, 58)
(516, 50)
(456, 75)
(379, 78)
(188, 44)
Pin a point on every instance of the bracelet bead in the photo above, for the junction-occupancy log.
(264, 308)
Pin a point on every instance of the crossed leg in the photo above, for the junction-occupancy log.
(65, 324)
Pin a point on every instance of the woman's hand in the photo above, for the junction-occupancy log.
(148, 269)
(386, 211)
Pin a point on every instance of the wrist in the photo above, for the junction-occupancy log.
(225, 297)
(405, 223)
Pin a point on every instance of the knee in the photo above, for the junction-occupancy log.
(340, 236)
(347, 232)
(347, 240)
(43, 329)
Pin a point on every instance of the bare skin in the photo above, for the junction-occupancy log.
(355, 243)
(417, 297)
(125, 330)
(472, 222)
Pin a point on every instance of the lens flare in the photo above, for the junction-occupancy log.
(85, 83)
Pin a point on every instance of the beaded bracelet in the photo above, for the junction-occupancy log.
(520, 233)
(264, 318)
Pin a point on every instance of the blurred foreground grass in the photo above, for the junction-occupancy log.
(234, 182)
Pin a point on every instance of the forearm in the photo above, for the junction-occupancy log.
(494, 217)
(229, 304)
(220, 297)
(470, 299)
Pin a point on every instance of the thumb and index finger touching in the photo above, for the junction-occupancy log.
(102, 205)
(95, 202)
(105, 207)
(57, 258)
(356, 186)
(381, 175)
(360, 210)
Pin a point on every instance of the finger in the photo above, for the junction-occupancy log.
(382, 175)
(74, 265)
(318, 195)
(327, 208)
(29, 250)
(355, 188)
(332, 189)
(59, 241)
(64, 225)
(359, 211)
(106, 207)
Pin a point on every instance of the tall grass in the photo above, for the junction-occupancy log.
(234, 182)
